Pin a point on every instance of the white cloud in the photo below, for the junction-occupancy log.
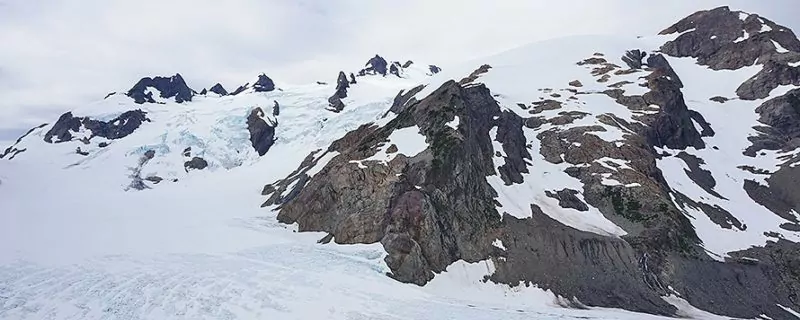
(58, 53)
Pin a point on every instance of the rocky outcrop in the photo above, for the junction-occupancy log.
(168, 88)
(353, 78)
(262, 132)
(218, 89)
(341, 86)
(434, 69)
(395, 69)
(672, 126)
(196, 163)
(725, 39)
(63, 128)
(781, 129)
(772, 75)
(633, 58)
(375, 65)
(335, 102)
(264, 84)
(442, 209)
(567, 198)
(404, 98)
(116, 128)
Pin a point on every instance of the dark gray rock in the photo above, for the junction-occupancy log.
(512, 138)
(790, 227)
(154, 179)
(727, 288)
(633, 58)
(594, 269)
(567, 198)
(404, 98)
(240, 89)
(262, 134)
(375, 65)
(171, 87)
(218, 89)
(276, 108)
(715, 38)
(772, 75)
(395, 69)
(196, 163)
(672, 126)
(61, 129)
(116, 128)
(781, 115)
(341, 86)
(699, 176)
(264, 84)
(407, 64)
(353, 78)
(660, 63)
(119, 127)
(434, 69)
(81, 152)
(335, 104)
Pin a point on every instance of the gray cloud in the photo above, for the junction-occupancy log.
(58, 52)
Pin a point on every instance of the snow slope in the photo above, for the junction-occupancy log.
(75, 245)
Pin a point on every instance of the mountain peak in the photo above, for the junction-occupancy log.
(167, 87)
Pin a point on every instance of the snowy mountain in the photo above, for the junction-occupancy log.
(591, 177)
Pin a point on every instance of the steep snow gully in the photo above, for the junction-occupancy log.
(589, 177)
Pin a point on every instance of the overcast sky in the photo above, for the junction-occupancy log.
(57, 53)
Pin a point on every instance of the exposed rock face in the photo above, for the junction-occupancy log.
(218, 89)
(353, 78)
(172, 87)
(341, 86)
(434, 69)
(62, 129)
(404, 99)
(264, 84)
(262, 134)
(721, 39)
(276, 108)
(633, 58)
(567, 199)
(375, 65)
(672, 127)
(117, 128)
(781, 116)
(724, 39)
(240, 89)
(395, 69)
(453, 216)
(772, 75)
